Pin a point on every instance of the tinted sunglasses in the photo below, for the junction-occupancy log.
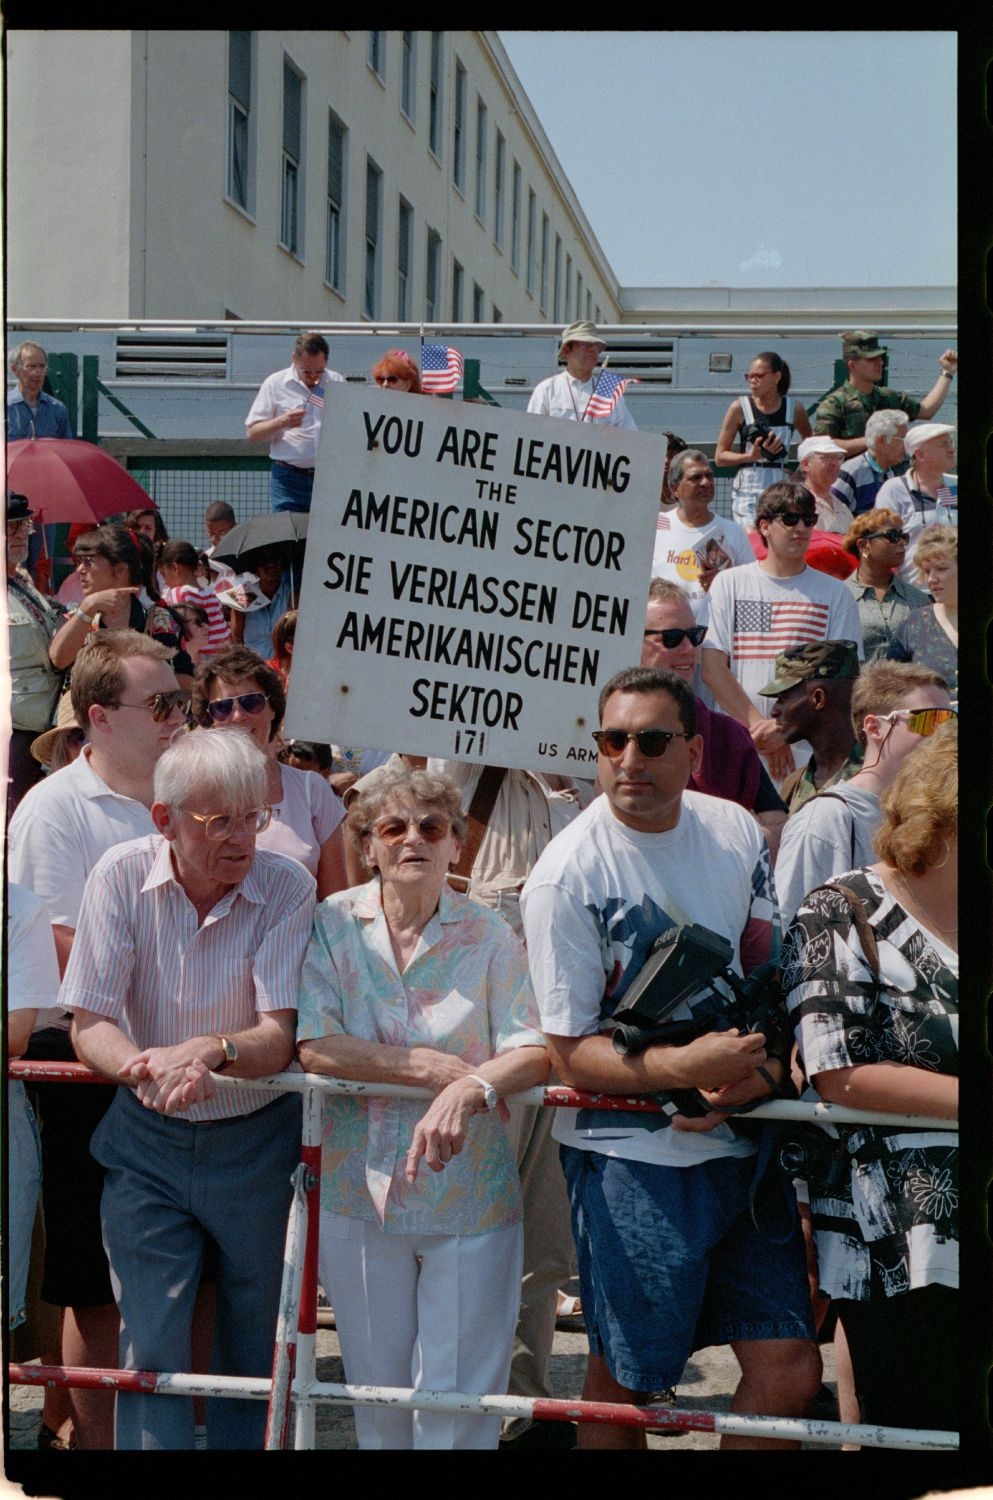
(651, 743)
(389, 379)
(222, 708)
(432, 828)
(893, 535)
(673, 638)
(163, 704)
(795, 517)
(922, 721)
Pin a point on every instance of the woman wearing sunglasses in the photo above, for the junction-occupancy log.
(109, 564)
(870, 975)
(396, 371)
(236, 689)
(931, 634)
(877, 539)
(407, 981)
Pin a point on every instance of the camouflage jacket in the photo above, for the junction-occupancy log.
(844, 412)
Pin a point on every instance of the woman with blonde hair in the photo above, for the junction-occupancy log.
(870, 975)
(931, 635)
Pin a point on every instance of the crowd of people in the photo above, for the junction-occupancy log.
(192, 895)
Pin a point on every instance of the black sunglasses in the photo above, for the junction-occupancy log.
(794, 517)
(673, 638)
(651, 743)
(222, 708)
(893, 535)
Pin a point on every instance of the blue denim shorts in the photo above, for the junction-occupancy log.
(670, 1261)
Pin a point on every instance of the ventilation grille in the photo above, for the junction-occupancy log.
(171, 356)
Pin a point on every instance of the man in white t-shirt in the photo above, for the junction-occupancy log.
(692, 545)
(755, 612)
(569, 393)
(286, 414)
(670, 1259)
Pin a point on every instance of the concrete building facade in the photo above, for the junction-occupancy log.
(290, 175)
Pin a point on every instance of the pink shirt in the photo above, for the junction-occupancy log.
(140, 959)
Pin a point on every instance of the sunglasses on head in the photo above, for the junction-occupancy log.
(393, 830)
(894, 534)
(222, 708)
(673, 638)
(922, 721)
(796, 517)
(651, 743)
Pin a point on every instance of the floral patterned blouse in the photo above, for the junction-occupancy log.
(893, 1225)
(465, 991)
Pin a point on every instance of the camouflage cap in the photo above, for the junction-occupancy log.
(861, 343)
(811, 662)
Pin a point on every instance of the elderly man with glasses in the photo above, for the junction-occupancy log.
(31, 411)
(756, 611)
(187, 963)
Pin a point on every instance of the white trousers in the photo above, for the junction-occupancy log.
(431, 1312)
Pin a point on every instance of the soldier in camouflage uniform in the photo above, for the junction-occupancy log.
(843, 414)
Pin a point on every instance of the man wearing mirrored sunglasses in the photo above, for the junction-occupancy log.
(186, 964)
(126, 695)
(669, 1258)
(692, 545)
(757, 611)
(894, 704)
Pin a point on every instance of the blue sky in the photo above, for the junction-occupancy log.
(755, 158)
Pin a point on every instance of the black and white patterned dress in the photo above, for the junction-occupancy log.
(893, 1226)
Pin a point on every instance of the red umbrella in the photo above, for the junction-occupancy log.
(69, 480)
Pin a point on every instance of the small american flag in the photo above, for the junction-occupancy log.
(316, 397)
(441, 369)
(606, 393)
(762, 630)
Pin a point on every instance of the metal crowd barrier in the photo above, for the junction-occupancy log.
(294, 1374)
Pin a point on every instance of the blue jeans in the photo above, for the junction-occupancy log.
(289, 488)
(170, 1184)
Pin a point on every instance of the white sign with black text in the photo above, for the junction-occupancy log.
(472, 578)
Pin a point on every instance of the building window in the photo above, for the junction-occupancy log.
(532, 240)
(579, 296)
(434, 102)
(478, 308)
(499, 169)
(557, 281)
(405, 241)
(497, 314)
(431, 287)
(408, 73)
(596, 316)
(567, 304)
(334, 270)
(458, 280)
(543, 300)
(373, 210)
(290, 226)
(458, 143)
(377, 53)
(589, 304)
(480, 161)
(515, 221)
(240, 184)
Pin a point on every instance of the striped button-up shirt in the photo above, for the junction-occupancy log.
(140, 958)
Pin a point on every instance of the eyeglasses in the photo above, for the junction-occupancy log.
(389, 379)
(250, 703)
(432, 828)
(922, 721)
(162, 704)
(797, 518)
(651, 743)
(220, 826)
(894, 534)
(23, 527)
(673, 638)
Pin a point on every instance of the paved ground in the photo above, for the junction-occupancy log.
(707, 1384)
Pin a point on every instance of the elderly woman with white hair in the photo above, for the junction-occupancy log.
(820, 464)
(407, 981)
(931, 635)
(916, 494)
(861, 477)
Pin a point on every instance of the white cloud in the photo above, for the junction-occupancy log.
(763, 259)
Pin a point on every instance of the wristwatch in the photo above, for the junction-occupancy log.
(230, 1054)
(490, 1096)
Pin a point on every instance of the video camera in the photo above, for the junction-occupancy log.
(681, 967)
